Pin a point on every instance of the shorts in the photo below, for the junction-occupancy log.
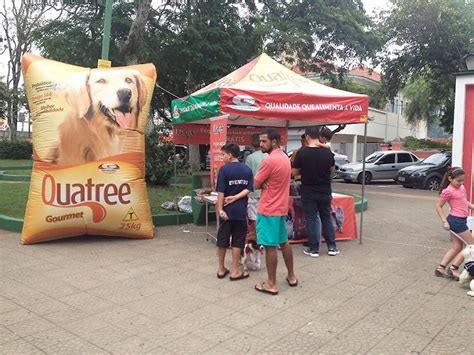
(271, 230)
(457, 224)
(235, 230)
(252, 208)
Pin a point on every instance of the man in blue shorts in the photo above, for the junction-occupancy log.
(234, 183)
(273, 178)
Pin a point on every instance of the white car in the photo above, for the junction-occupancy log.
(378, 165)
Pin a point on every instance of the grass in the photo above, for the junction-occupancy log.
(18, 172)
(15, 195)
(11, 162)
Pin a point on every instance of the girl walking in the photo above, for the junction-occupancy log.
(453, 192)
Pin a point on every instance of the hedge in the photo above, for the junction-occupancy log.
(15, 149)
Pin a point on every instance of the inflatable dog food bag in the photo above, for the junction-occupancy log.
(88, 172)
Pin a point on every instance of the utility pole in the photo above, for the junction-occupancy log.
(107, 25)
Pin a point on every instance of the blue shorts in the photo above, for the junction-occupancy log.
(271, 230)
(457, 224)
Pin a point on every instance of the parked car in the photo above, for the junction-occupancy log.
(340, 159)
(427, 174)
(378, 165)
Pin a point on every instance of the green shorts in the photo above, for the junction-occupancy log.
(271, 230)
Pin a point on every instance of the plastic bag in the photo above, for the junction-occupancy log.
(184, 205)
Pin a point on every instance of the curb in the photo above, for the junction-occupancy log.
(8, 177)
(160, 220)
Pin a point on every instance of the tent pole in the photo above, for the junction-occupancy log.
(175, 182)
(363, 185)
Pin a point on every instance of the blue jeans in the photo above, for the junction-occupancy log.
(316, 207)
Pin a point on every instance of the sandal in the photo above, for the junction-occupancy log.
(440, 271)
(242, 276)
(292, 284)
(261, 288)
(221, 276)
(451, 270)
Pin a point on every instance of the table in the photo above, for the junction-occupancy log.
(210, 200)
(343, 216)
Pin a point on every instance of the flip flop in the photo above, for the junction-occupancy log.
(241, 277)
(264, 290)
(292, 284)
(221, 276)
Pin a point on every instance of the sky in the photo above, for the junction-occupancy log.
(371, 5)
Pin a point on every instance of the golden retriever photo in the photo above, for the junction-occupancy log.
(106, 104)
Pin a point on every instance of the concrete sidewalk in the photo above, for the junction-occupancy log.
(102, 295)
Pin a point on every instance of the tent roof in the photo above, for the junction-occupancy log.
(264, 90)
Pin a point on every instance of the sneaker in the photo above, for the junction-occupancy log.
(311, 252)
(333, 252)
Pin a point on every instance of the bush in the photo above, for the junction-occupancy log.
(157, 153)
(15, 149)
(414, 143)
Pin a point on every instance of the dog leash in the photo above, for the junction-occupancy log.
(459, 237)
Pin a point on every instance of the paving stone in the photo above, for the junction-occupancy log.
(239, 321)
(359, 338)
(30, 326)
(218, 332)
(95, 294)
(245, 343)
(66, 315)
(47, 307)
(296, 343)
(59, 341)
(8, 306)
(400, 342)
(19, 346)
(16, 316)
(134, 345)
(189, 344)
(106, 335)
(6, 335)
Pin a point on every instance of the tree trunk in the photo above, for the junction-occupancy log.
(194, 157)
(13, 114)
(135, 36)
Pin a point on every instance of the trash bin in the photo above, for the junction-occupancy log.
(199, 180)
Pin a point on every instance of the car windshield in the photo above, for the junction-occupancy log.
(436, 159)
(373, 157)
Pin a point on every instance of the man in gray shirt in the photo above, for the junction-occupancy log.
(254, 161)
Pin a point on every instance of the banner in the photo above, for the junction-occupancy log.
(468, 149)
(218, 138)
(199, 134)
(342, 216)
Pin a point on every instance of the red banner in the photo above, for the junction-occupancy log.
(294, 107)
(342, 215)
(218, 138)
(468, 149)
(199, 134)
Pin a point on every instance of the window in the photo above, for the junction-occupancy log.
(414, 157)
(402, 108)
(388, 159)
(404, 158)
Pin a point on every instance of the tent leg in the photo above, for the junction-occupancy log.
(363, 186)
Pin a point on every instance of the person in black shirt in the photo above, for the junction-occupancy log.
(234, 183)
(315, 164)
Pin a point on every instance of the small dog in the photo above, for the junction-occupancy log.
(467, 275)
(251, 256)
(104, 103)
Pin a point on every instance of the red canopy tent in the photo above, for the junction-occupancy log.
(266, 93)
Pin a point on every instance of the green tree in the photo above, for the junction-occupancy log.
(427, 39)
(314, 33)
(421, 106)
(19, 18)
